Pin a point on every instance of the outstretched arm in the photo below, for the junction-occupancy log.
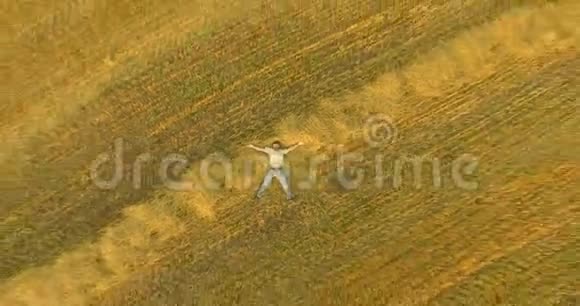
(294, 146)
(251, 146)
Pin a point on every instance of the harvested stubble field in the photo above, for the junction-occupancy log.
(494, 79)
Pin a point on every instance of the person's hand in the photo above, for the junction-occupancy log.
(249, 146)
(300, 143)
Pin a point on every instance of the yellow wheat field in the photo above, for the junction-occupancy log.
(495, 79)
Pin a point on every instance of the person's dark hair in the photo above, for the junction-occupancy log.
(276, 142)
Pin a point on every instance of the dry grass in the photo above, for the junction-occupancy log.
(123, 249)
(69, 281)
(70, 69)
(525, 33)
(347, 249)
(472, 56)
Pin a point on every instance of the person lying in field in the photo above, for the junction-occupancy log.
(276, 155)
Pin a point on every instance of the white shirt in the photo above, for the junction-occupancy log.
(276, 157)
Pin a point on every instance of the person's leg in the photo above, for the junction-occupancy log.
(282, 177)
(265, 183)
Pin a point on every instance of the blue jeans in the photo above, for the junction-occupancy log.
(281, 176)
